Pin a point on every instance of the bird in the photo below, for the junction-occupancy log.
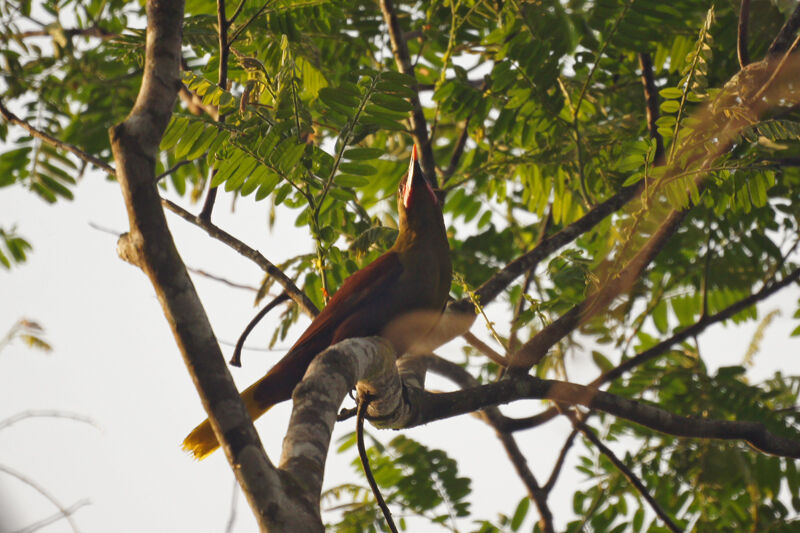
(399, 296)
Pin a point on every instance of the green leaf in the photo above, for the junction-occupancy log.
(360, 154)
(398, 78)
(601, 361)
(338, 98)
(348, 180)
(520, 513)
(359, 169)
(671, 93)
(670, 106)
(391, 102)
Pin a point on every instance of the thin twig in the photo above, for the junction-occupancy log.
(492, 416)
(624, 470)
(194, 103)
(288, 285)
(236, 360)
(65, 512)
(363, 403)
(49, 139)
(236, 12)
(695, 329)
(227, 282)
(500, 280)
(55, 517)
(255, 15)
(234, 497)
(93, 31)
(173, 168)
(776, 71)
(551, 481)
(741, 41)
(485, 349)
(458, 151)
(47, 413)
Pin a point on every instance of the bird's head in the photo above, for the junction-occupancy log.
(417, 203)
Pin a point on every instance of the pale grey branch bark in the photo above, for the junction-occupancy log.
(150, 246)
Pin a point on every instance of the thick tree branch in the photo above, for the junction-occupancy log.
(634, 480)
(331, 375)
(288, 285)
(403, 59)
(52, 141)
(425, 407)
(134, 144)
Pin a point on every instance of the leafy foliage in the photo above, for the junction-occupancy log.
(418, 480)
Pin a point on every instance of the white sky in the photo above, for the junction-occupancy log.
(114, 359)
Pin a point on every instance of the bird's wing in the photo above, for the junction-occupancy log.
(356, 305)
(357, 292)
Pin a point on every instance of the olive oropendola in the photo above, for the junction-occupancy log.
(399, 296)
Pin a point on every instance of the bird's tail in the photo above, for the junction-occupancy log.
(201, 442)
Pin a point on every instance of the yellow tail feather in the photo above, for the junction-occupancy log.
(202, 441)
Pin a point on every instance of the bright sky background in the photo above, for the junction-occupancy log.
(115, 361)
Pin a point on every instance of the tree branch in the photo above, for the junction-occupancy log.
(52, 141)
(651, 98)
(485, 349)
(403, 59)
(492, 287)
(532, 351)
(786, 35)
(63, 511)
(288, 285)
(741, 40)
(624, 470)
(55, 517)
(458, 151)
(195, 104)
(427, 407)
(695, 329)
(330, 376)
(562, 455)
(149, 244)
(224, 50)
(47, 413)
(510, 424)
(492, 416)
(236, 360)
